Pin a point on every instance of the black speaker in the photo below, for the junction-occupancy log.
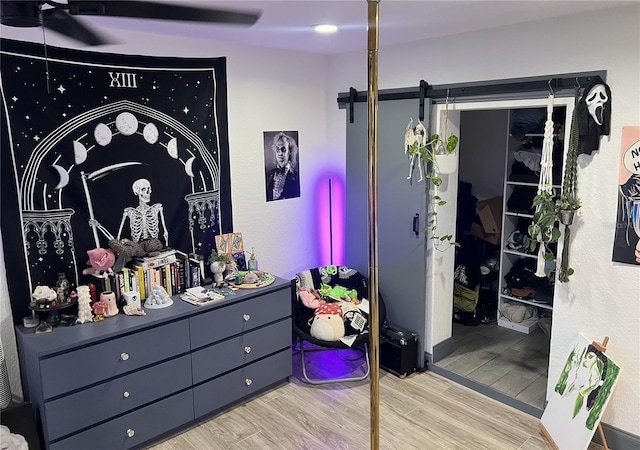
(398, 350)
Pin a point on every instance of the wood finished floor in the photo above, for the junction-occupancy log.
(422, 411)
(508, 361)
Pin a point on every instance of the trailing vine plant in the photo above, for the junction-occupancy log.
(424, 153)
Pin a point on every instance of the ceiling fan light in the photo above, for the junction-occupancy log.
(325, 28)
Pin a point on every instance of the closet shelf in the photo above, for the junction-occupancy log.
(517, 214)
(528, 183)
(532, 302)
(520, 254)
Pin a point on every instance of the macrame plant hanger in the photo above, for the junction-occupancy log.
(546, 179)
(569, 182)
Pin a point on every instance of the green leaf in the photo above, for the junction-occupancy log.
(436, 181)
(452, 142)
(442, 203)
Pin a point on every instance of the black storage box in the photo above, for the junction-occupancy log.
(398, 350)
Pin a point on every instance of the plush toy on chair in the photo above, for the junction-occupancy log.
(327, 324)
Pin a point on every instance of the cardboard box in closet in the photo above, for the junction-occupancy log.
(490, 226)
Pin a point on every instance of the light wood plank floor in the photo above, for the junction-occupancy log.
(508, 361)
(422, 411)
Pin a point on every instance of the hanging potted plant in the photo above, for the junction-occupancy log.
(569, 202)
(566, 207)
(445, 156)
(542, 230)
(437, 157)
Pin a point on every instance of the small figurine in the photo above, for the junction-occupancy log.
(109, 298)
(84, 305)
(99, 308)
(63, 289)
(158, 298)
(252, 264)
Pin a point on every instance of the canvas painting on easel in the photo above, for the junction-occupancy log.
(580, 396)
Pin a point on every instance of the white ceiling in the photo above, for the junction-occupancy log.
(288, 24)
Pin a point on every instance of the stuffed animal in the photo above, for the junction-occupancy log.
(310, 299)
(100, 260)
(126, 249)
(327, 323)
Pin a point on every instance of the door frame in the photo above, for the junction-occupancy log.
(440, 265)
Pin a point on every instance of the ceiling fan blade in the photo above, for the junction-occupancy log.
(61, 22)
(162, 11)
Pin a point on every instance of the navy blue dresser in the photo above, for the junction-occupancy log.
(128, 380)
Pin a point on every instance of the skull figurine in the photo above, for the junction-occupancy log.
(596, 99)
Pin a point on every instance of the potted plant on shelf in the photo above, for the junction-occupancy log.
(218, 264)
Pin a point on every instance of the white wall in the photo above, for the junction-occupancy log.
(602, 297)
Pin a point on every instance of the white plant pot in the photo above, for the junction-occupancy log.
(217, 269)
(446, 164)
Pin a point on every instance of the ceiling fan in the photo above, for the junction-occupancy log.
(59, 17)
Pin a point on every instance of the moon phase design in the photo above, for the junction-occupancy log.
(172, 148)
(79, 152)
(150, 133)
(102, 134)
(64, 176)
(188, 166)
(126, 123)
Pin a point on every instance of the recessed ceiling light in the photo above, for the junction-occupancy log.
(325, 29)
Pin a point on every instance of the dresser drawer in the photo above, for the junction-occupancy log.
(215, 394)
(108, 359)
(134, 428)
(85, 408)
(221, 323)
(226, 355)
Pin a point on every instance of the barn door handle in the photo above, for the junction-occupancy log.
(416, 223)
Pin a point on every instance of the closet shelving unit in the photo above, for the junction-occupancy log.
(510, 222)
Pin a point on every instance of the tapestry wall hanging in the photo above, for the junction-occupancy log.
(90, 140)
(626, 247)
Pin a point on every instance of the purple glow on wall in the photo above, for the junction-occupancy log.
(330, 217)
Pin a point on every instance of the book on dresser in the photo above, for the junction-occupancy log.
(165, 256)
(201, 296)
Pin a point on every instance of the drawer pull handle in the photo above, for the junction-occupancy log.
(130, 432)
(246, 317)
(248, 381)
(126, 394)
(124, 356)
(247, 349)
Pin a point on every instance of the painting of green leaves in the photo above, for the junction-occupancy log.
(580, 396)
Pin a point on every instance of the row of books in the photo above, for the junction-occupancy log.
(174, 270)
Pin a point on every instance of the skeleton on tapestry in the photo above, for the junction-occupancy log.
(144, 220)
(415, 135)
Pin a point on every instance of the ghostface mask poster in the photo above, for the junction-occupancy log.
(88, 138)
